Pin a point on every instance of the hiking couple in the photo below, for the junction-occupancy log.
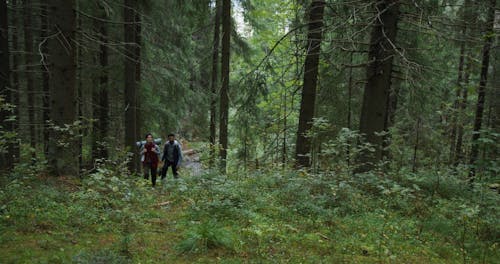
(150, 157)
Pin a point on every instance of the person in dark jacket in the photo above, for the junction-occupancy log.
(150, 153)
(172, 156)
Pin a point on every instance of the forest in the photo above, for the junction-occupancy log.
(305, 131)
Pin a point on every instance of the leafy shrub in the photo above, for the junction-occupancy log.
(28, 208)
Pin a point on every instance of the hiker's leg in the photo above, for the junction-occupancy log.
(146, 168)
(153, 175)
(164, 170)
(169, 164)
(174, 171)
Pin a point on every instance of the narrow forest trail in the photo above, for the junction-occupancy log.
(192, 162)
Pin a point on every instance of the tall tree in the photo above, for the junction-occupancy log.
(45, 77)
(462, 104)
(224, 91)
(137, 58)
(307, 104)
(496, 76)
(390, 116)
(80, 84)
(5, 92)
(213, 84)
(100, 92)
(28, 72)
(378, 85)
(469, 18)
(460, 91)
(63, 158)
(14, 151)
(130, 7)
(481, 93)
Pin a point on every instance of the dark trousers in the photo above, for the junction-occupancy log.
(164, 170)
(147, 169)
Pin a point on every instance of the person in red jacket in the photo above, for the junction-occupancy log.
(150, 153)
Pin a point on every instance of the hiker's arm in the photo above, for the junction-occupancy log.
(180, 156)
(164, 154)
(158, 151)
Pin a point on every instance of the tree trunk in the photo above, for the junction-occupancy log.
(496, 82)
(137, 57)
(378, 86)
(28, 73)
(245, 150)
(14, 152)
(415, 147)
(45, 79)
(100, 93)
(224, 91)
(390, 116)
(461, 89)
(5, 92)
(130, 73)
(459, 156)
(482, 91)
(213, 86)
(103, 97)
(63, 159)
(80, 87)
(285, 131)
(307, 104)
(456, 104)
(96, 102)
(349, 113)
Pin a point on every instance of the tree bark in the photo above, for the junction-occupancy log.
(456, 104)
(415, 147)
(100, 92)
(459, 156)
(482, 91)
(349, 113)
(130, 7)
(45, 78)
(79, 86)
(137, 57)
(378, 86)
(224, 91)
(14, 151)
(214, 83)
(103, 93)
(390, 117)
(285, 131)
(496, 82)
(307, 104)
(5, 91)
(63, 159)
(460, 90)
(28, 73)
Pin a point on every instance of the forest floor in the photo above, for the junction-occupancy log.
(261, 217)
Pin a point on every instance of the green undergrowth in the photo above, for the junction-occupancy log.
(258, 217)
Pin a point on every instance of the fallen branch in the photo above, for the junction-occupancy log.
(163, 203)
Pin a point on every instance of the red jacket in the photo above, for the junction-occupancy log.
(151, 155)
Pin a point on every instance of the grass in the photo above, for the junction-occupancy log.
(252, 218)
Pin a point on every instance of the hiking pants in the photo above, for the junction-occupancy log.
(164, 170)
(148, 168)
